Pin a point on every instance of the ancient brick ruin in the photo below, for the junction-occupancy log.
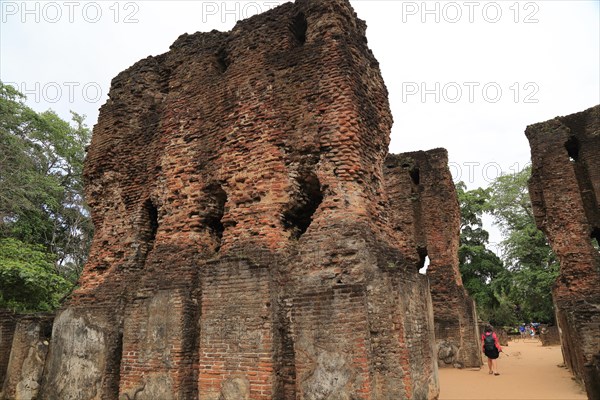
(565, 194)
(249, 242)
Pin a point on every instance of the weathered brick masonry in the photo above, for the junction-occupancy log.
(425, 209)
(565, 194)
(247, 245)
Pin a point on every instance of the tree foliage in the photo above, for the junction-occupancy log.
(517, 288)
(479, 266)
(28, 278)
(531, 262)
(41, 197)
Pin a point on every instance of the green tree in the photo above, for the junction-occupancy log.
(531, 264)
(41, 200)
(28, 279)
(479, 266)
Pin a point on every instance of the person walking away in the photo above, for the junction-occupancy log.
(491, 348)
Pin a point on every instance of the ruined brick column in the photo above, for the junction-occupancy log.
(565, 195)
(242, 247)
(426, 210)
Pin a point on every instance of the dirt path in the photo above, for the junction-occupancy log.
(529, 372)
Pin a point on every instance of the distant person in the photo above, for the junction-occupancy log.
(522, 331)
(532, 332)
(491, 348)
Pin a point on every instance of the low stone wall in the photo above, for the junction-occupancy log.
(550, 336)
(502, 337)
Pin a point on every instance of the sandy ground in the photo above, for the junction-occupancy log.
(527, 370)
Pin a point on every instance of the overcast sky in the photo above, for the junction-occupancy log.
(465, 75)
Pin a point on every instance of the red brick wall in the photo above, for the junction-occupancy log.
(565, 195)
(237, 329)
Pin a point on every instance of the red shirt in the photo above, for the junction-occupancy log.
(496, 342)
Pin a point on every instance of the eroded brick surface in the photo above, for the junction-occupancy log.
(565, 194)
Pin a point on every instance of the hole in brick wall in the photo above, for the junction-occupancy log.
(215, 209)
(46, 330)
(223, 61)
(299, 215)
(423, 269)
(150, 222)
(596, 235)
(572, 146)
(299, 27)
(415, 175)
(423, 259)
